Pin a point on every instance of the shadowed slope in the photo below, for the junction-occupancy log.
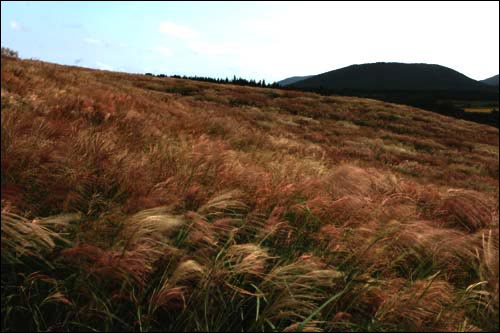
(392, 76)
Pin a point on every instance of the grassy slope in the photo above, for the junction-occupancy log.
(139, 203)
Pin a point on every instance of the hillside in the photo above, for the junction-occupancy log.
(138, 203)
(391, 76)
(293, 79)
(492, 81)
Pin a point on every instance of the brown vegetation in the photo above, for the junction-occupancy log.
(131, 202)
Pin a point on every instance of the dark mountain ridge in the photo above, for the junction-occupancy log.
(492, 81)
(392, 76)
(293, 79)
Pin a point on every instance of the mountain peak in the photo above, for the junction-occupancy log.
(391, 76)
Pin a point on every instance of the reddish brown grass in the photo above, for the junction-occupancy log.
(219, 207)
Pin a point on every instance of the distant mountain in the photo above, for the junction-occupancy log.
(384, 76)
(492, 81)
(293, 79)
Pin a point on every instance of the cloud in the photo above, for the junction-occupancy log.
(178, 31)
(77, 61)
(104, 66)
(14, 25)
(192, 40)
(93, 41)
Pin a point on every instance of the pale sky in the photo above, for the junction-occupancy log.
(254, 40)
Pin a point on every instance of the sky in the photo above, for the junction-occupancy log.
(254, 40)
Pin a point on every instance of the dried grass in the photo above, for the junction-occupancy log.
(217, 208)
